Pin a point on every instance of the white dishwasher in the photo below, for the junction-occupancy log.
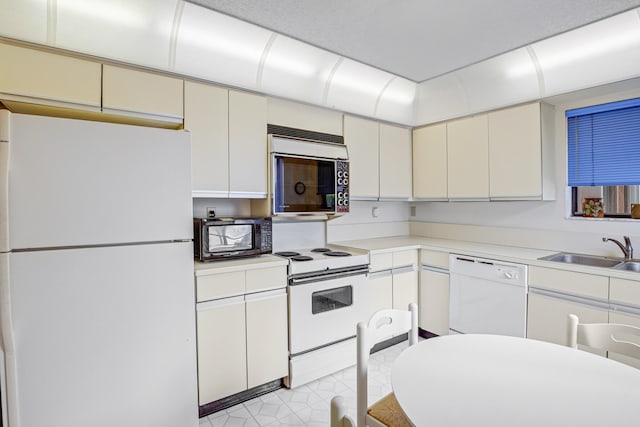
(487, 296)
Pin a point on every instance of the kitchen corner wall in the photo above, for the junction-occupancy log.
(368, 220)
(544, 225)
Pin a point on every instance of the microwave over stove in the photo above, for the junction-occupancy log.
(226, 238)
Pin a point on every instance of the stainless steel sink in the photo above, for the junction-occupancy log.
(591, 261)
(629, 266)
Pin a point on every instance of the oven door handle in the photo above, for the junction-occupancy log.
(328, 276)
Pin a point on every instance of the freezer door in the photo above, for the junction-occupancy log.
(103, 337)
(76, 183)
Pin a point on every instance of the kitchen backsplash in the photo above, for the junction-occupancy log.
(368, 220)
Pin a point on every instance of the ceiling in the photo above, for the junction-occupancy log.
(420, 39)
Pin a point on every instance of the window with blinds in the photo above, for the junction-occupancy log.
(604, 156)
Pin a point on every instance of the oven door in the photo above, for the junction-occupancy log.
(326, 309)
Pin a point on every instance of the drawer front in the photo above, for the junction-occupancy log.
(434, 258)
(379, 262)
(266, 278)
(220, 285)
(401, 258)
(625, 291)
(588, 285)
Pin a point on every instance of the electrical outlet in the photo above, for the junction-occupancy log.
(412, 211)
(211, 212)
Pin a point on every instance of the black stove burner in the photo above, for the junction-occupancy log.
(321, 250)
(301, 258)
(287, 254)
(337, 253)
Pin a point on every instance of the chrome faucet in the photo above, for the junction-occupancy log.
(627, 249)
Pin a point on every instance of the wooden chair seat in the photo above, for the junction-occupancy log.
(387, 410)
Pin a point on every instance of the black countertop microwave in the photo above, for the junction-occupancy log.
(225, 238)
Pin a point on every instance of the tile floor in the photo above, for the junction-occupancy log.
(308, 405)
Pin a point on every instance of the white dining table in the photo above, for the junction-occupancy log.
(494, 380)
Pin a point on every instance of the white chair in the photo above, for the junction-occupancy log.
(339, 417)
(614, 337)
(382, 325)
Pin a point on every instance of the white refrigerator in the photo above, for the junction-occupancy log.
(97, 308)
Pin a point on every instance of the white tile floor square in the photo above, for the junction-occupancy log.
(308, 405)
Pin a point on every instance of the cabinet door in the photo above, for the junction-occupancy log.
(206, 116)
(515, 153)
(380, 291)
(430, 162)
(361, 137)
(405, 287)
(627, 319)
(51, 78)
(468, 158)
(547, 317)
(247, 145)
(141, 94)
(434, 302)
(395, 162)
(222, 350)
(267, 337)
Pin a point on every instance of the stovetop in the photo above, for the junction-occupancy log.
(322, 259)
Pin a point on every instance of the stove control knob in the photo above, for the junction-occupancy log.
(346, 174)
(344, 181)
(340, 174)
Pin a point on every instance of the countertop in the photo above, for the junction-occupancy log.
(248, 263)
(513, 254)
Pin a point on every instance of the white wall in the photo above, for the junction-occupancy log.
(543, 224)
(391, 219)
(223, 207)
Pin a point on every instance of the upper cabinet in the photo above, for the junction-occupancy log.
(520, 155)
(379, 159)
(302, 116)
(468, 158)
(248, 151)
(503, 155)
(228, 141)
(395, 162)
(142, 95)
(34, 76)
(361, 137)
(430, 162)
(206, 116)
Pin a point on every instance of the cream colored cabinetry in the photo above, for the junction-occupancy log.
(242, 327)
(302, 116)
(247, 145)
(554, 294)
(380, 159)
(430, 162)
(222, 349)
(433, 303)
(228, 139)
(267, 340)
(141, 94)
(206, 116)
(395, 162)
(393, 282)
(624, 297)
(468, 158)
(37, 77)
(516, 149)
(503, 155)
(361, 137)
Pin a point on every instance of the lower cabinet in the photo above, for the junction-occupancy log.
(393, 282)
(267, 339)
(547, 316)
(242, 331)
(434, 301)
(222, 348)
